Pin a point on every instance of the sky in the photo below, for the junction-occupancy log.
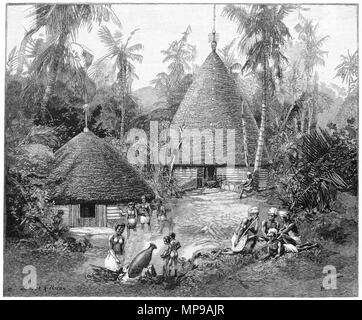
(160, 24)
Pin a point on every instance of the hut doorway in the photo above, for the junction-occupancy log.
(210, 173)
(87, 215)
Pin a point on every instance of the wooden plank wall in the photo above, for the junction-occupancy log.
(74, 215)
(101, 215)
(232, 174)
(116, 214)
(263, 179)
(113, 212)
(184, 174)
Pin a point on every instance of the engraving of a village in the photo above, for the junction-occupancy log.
(180, 150)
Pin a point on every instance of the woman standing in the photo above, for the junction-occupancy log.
(161, 215)
(165, 256)
(116, 243)
(131, 217)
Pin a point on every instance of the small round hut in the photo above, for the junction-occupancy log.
(91, 182)
(213, 103)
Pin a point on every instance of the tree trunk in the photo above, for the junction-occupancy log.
(245, 141)
(310, 114)
(310, 117)
(124, 96)
(286, 117)
(296, 127)
(53, 72)
(260, 145)
(123, 114)
(302, 120)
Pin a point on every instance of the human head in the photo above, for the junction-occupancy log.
(120, 228)
(253, 212)
(166, 239)
(272, 213)
(172, 235)
(131, 204)
(272, 233)
(284, 215)
(143, 198)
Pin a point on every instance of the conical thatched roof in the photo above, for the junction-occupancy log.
(212, 102)
(87, 169)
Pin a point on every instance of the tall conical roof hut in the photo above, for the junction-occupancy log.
(213, 102)
(90, 173)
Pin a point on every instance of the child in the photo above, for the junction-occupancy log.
(275, 247)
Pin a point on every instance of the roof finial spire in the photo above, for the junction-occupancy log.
(213, 37)
(85, 108)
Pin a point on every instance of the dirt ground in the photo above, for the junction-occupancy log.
(202, 220)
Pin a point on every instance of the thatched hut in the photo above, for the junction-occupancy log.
(211, 103)
(92, 183)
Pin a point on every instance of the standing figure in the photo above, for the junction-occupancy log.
(57, 224)
(174, 246)
(131, 216)
(266, 225)
(247, 185)
(144, 213)
(116, 245)
(161, 215)
(165, 255)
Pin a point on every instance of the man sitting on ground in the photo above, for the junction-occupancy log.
(290, 236)
(249, 226)
(266, 225)
(247, 185)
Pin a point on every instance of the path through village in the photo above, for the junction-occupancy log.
(201, 219)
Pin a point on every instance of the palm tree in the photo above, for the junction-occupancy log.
(312, 55)
(180, 54)
(228, 57)
(11, 61)
(61, 22)
(263, 33)
(122, 54)
(163, 84)
(348, 70)
(72, 66)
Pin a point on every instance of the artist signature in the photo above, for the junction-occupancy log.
(40, 288)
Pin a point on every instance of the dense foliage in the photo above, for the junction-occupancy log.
(313, 168)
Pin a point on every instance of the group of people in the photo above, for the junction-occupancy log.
(142, 213)
(170, 256)
(116, 252)
(280, 234)
(135, 214)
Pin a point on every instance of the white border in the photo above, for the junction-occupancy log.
(2, 85)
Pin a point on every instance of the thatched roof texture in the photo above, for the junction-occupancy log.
(212, 102)
(88, 169)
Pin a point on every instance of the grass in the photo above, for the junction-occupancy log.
(225, 277)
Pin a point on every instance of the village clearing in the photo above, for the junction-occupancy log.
(203, 221)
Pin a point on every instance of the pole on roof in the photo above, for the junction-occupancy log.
(85, 108)
(213, 36)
